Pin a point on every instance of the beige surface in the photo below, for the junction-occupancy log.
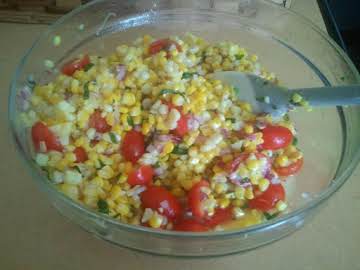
(35, 236)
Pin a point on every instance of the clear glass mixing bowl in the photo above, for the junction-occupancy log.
(287, 44)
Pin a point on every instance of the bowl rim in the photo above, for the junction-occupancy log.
(267, 225)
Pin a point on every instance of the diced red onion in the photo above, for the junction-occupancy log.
(120, 72)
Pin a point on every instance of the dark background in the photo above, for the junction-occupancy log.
(342, 21)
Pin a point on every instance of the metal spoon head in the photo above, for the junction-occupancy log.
(264, 96)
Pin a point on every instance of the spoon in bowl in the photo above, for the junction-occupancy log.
(265, 96)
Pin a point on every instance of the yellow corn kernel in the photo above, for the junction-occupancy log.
(145, 129)
(249, 194)
(220, 188)
(282, 160)
(70, 190)
(151, 119)
(70, 157)
(98, 181)
(178, 192)
(239, 193)
(253, 164)
(123, 209)
(128, 167)
(217, 169)
(243, 171)
(227, 158)
(110, 203)
(122, 178)
(238, 203)
(168, 148)
(246, 107)
(155, 220)
(223, 202)
(128, 99)
(115, 192)
(295, 155)
(248, 129)
(186, 184)
(135, 111)
(296, 98)
(106, 172)
(263, 184)
(137, 120)
(110, 119)
(123, 109)
(281, 206)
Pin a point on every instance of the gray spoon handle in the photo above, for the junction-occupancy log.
(331, 96)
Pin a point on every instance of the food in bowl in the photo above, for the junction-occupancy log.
(148, 137)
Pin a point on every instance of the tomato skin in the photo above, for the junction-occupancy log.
(81, 155)
(182, 126)
(162, 44)
(74, 65)
(220, 216)
(141, 176)
(195, 198)
(276, 137)
(291, 169)
(41, 133)
(268, 199)
(190, 225)
(133, 146)
(156, 197)
(98, 122)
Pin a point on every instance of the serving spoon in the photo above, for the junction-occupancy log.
(265, 96)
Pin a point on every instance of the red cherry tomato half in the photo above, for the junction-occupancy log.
(268, 199)
(163, 44)
(220, 216)
(81, 155)
(190, 225)
(157, 198)
(141, 176)
(74, 65)
(195, 198)
(133, 146)
(99, 123)
(41, 133)
(182, 126)
(276, 137)
(293, 168)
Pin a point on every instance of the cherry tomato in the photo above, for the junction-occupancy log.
(74, 65)
(41, 133)
(195, 198)
(190, 225)
(276, 137)
(182, 126)
(156, 198)
(98, 122)
(141, 176)
(220, 216)
(133, 146)
(163, 44)
(81, 155)
(293, 168)
(268, 199)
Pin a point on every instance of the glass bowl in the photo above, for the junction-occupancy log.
(299, 53)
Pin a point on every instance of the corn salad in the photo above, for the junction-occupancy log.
(146, 136)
